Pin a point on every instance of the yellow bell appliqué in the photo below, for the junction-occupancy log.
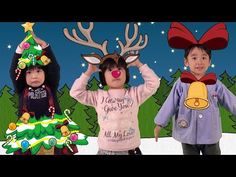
(197, 96)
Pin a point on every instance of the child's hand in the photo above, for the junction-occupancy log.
(156, 132)
(91, 69)
(136, 63)
(39, 41)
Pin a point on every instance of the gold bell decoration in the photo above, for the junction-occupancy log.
(197, 96)
(45, 60)
(25, 118)
(65, 131)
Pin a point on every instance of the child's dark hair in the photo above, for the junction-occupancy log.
(52, 72)
(110, 63)
(199, 46)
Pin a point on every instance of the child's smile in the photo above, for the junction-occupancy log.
(198, 62)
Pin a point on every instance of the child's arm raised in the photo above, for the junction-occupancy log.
(53, 74)
(151, 82)
(19, 84)
(78, 90)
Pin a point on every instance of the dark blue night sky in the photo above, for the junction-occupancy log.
(158, 55)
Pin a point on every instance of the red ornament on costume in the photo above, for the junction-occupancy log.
(26, 45)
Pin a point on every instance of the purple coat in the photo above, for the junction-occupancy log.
(196, 126)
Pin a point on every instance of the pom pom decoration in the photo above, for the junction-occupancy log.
(52, 141)
(73, 137)
(25, 144)
(12, 126)
(26, 45)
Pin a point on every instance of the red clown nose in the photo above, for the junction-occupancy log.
(116, 73)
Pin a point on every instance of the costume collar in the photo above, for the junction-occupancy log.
(208, 79)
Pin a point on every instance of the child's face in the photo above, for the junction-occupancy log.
(198, 62)
(35, 77)
(115, 77)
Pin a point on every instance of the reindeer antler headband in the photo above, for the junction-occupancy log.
(125, 48)
(215, 38)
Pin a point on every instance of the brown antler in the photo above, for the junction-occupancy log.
(129, 41)
(87, 33)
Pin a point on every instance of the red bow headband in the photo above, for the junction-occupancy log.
(215, 38)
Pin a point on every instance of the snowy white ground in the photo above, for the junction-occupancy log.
(164, 146)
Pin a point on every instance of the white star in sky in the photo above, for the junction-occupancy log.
(170, 70)
(155, 61)
(185, 67)
(83, 64)
(117, 46)
(117, 39)
(152, 23)
(213, 65)
(9, 46)
(172, 50)
(134, 77)
(196, 31)
(139, 23)
(162, 32)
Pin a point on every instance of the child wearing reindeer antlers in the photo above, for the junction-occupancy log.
(195, 96)
(117, 108)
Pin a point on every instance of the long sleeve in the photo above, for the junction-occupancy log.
(150, 86)
(19, 84)
(169, 107)
(80, 93)
(226, 98)
(53, 70)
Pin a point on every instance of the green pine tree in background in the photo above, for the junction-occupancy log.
(228, 121)
(7, 111)
(146, 115)
(58, 94)
(233, 118)
(92, 120)
(175, 77)
(162, 92)
(15, 100)
(65, 100)
(234, 79)
(226, 79)
(232, 88)
(93, 85)
(80, 117)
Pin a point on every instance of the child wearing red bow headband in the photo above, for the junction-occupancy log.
(195, 96)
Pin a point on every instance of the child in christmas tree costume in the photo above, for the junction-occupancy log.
(117, 108)
(41, 129)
